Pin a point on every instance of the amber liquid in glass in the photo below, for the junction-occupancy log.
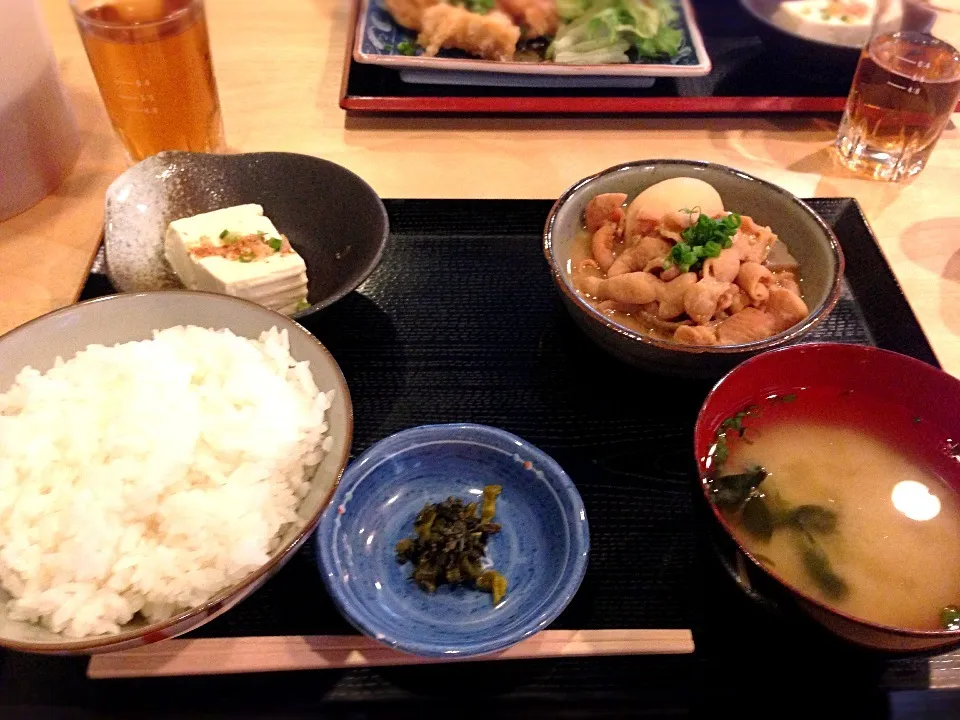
(903, 93)
(152, 63)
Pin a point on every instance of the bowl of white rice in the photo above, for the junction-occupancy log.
(161, 456)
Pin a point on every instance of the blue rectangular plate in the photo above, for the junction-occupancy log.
(377, 37)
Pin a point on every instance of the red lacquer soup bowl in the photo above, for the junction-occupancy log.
(917, 391)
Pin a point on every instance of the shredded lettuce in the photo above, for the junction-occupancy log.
(604, 31)
(571, 9)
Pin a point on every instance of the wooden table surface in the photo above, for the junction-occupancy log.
(278, 66)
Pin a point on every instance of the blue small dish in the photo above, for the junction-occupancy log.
(542, 548)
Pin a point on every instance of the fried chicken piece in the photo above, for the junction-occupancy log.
(409, 13)
(538, 18)
(492, 36)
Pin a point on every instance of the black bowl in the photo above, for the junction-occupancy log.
(817, 61)
(331, 216)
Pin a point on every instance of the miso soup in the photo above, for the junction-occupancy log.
(845, 499)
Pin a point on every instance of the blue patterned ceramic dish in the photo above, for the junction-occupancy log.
(542, 549)
(378, 36)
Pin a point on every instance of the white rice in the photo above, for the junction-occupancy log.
(146, 477)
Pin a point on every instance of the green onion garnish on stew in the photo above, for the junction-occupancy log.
(275, 244)
(224, 234)
(705, 239)
(246, 256)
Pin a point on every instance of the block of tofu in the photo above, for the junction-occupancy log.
(237, 251)
(838, 22)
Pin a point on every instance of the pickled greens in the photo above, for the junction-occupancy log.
(450, 543)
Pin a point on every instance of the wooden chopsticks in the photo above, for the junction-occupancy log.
(217, 656)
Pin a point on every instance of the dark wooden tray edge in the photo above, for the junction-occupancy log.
(880, 297)
(586, 105)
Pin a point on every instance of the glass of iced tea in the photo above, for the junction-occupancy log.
(151, 59)
(906, 86)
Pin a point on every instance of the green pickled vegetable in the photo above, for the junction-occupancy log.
(404, 549)
(494, 583)
(490, 495)
(450, 544)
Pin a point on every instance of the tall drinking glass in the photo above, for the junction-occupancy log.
(906, 86)
(151, 59)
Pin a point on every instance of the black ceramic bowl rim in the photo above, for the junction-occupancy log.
(366, 270)
(787, 336)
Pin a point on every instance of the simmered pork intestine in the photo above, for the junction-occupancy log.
(748, 325)
(753, 241)
(638, 288)
(637, 258)
(755, 279)
(672, 294)
(723, 268)
(705, 299)
(788, 281)
(604, 208)
(602, 245)
(696, 335)
(786, 308)
(637, 263)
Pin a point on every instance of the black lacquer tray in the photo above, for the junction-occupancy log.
(461, 322)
